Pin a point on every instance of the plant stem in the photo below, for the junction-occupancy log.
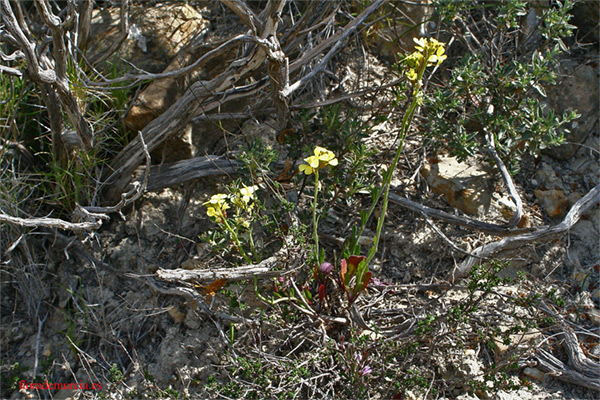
(314, 216)
(406, 122)
(237, 241)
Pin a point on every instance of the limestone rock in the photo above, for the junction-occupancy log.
(534, 373)
(585, 17)
(579, 91)
(464, 186)
(518, 344)
(156, 33)
(553, 201)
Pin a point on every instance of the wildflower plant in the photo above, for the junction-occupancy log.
(241, 201)
(500, 89)
(354, 269)
(319, 160)
(428, 52)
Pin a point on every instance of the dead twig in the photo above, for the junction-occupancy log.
(512, 190)
(493, 229)
(577, 211)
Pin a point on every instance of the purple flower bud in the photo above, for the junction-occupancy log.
(365, 371)
(326, 268)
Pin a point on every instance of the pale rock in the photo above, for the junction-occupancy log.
(518, 343)
(469, 365)
(553, 201)
(547, 177)
(578, 90)
(410, 395)
(594, 315)
(156, 35)
(534, 373)
(506, 206)
(464, 185)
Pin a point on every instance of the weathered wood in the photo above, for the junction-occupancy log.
(577, 211)
(201, 95)
(166, 175)
(512, 190)
(493, 229)
(264, 269)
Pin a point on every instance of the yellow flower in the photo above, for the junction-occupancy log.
(421, 44)
(216, 206)
(411, 74)
(430, 49)
(247, 193)
(325, 156)
(320, 159)
(217, 199)
(439, 55)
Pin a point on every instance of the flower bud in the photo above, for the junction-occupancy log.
(326, 268)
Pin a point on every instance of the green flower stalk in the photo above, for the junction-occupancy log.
(428, 52)
(321, 159)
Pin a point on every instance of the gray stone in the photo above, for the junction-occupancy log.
(464, 185)
(156, 34)
(577, 91)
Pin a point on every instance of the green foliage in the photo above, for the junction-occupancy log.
(116, 375)
(498, 88)
(11, 375)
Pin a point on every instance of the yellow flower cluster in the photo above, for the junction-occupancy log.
(242, 200)
(320, 159)
(216, 207)
(429, 50)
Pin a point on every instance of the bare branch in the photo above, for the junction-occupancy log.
(124, 33)
(499, 230)
(198, 96)
(129, 197)
(166, 175)
(577, 211)
(49, 223)
(336, 40)
(11, 71)
(136, 78)
(512, 190)
(248, 17)
(27, 46)
(264, 269)
(85, 20)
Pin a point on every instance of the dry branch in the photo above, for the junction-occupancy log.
(201, 95)
(512, 190)
(166, 175)
(264, 269)
(50, 223)
(577, 211)
(123, 34)
(50, 73)
(493, 229)
(336, 41)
